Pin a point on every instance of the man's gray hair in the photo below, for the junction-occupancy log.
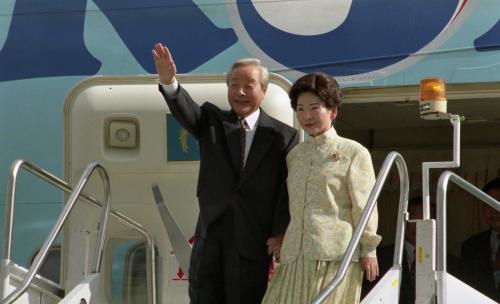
(264, 72)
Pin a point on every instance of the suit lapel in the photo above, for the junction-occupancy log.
(262, 141)
(232, 130)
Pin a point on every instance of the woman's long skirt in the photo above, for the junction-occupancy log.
(299, 282)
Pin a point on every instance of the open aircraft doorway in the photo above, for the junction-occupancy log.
(387, 119)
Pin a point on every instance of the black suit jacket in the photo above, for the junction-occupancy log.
(258, 199)
(478, 272)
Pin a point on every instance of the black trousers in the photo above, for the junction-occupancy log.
(219, 274)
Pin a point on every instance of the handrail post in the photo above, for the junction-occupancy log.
(441, 196)
(426, 166)
(370, 205)
(11, 195)
(9, 211)
(103, 223)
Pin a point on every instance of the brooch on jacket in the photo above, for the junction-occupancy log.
(335, 156)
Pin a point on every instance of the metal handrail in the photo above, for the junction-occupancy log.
(441, 194)
(404, 186)
(426, 166)
(58, 183)
(42, 254)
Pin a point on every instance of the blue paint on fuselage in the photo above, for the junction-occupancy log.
(374, 35)
(46, 37)
(490, 41)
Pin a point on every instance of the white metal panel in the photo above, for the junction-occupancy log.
(456, 291)
(87, 291)
(425, 259)
(387, 289)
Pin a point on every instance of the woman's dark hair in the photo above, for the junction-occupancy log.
(320, 84)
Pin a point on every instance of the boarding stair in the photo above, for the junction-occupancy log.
(433, 283)
(27, 286)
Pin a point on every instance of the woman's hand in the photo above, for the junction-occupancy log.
(370, 266)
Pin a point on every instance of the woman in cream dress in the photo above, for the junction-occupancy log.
(329, 181)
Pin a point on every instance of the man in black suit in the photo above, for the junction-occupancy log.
(481, 252)
(241, 185)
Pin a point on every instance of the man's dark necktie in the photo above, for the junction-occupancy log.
(243, 135)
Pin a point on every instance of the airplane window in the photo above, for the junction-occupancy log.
(50, 268)
(129, 273)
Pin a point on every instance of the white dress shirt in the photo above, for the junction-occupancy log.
(250, 128)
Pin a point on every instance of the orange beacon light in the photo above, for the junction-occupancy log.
(432, 99)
